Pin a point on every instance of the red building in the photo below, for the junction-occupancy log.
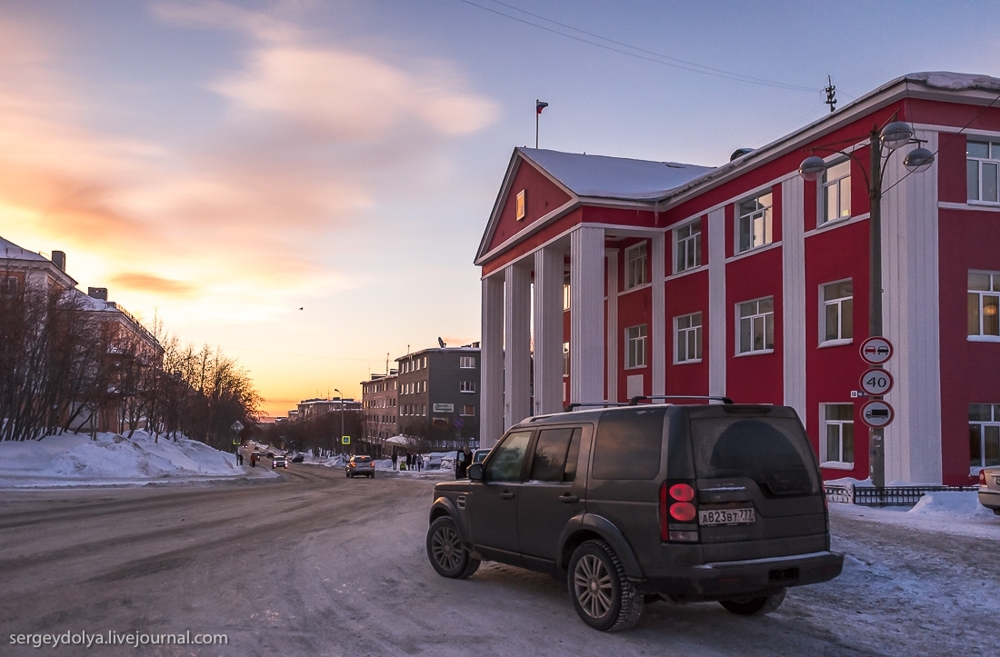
(620, 277)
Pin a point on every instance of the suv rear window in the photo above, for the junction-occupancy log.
(773, 452)
(628, 444)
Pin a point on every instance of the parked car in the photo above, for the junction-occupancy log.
(989, 488)
(279, 462)
(298, 458)
(361, 465)
(690, 502)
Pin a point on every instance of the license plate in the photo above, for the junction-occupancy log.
(744, 516)
(996, 480)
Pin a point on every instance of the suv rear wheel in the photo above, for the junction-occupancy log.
(446, 552)
(754, 606)
(603, 596)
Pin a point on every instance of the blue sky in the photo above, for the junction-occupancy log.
(221, 165)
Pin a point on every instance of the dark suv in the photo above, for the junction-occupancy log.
(689, 502)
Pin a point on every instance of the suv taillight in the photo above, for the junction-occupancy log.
(678, 512)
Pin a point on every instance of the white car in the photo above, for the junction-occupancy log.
(989, 488)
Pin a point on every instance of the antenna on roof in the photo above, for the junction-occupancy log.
(831, 93)
(539, 106)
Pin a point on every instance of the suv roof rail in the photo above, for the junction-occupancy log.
(634, 401)
(604, 404)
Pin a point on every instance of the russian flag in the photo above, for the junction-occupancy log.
(539, 106)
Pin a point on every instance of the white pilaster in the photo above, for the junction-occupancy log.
(716, 346)
(586, 349)
(548, 330)
(491, 351)
(911, 320)
(611, 329)
(517, 344)
(658, 330)
(793, 294)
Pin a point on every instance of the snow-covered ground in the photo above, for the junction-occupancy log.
(77, 460)
(957, 513)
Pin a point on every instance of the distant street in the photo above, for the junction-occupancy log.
(320, 564)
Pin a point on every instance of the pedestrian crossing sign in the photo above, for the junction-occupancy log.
(345, 440)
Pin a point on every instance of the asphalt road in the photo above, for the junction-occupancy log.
(317, 564)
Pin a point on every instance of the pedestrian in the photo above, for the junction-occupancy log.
(420, 461)
(458, 463)
(395, 460)
(239, 457)
(253, 460)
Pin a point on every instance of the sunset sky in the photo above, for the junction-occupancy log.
(304, 183)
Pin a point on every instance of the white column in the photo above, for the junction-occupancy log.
(658, 330)
(911, 320)
(611, 328)
(548, 330)
(793, 294)
(586, 343)
(517, 344)
(717, 323)
(491, 352)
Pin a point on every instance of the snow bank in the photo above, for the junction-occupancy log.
(111, 459)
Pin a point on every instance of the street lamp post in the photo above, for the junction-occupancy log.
(891, 137)
(341, 417)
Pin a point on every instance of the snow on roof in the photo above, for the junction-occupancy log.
(11, 251)
(613, 177)
(956, 81)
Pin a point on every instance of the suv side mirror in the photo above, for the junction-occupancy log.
(475, 472)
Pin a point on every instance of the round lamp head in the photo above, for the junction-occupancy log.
(919, 159)
(812, 168)
(896, 134)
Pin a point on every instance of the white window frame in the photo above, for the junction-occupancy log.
(635, 346)
(836, 197)
(467, 362)
(756, 320)
(994, 424)
(981, 298)
(839, 425)
(636, 260)
(467, 386)
(686, 331)
(687, 246)
(566, 292)
(983, 169)
(759, 220)
(845, 330)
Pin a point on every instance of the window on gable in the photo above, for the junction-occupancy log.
(837, 192)
(838, 312)
(688, 246)
(635, 266)
(982, 163)
(984, 304)
(756, 326)
(754, 222)
(688, 338)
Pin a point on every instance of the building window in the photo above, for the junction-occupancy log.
(756, 326)
(635, 346)
(467, 386)
(565, 359)
(566, 295)
(984, 303)
(688, 246)
(838, 312)
(468, 409)
(984, 435)
(754, 224)
(837, 192)
(635, 266)
(467, 362)
(838, 435)
(8, 286)
(982, 161)
(687, 330)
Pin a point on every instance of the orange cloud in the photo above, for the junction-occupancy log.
(154, 284)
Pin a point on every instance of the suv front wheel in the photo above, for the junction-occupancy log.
(603, 596)
(446, 552)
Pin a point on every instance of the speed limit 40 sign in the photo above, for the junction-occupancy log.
(876, 382)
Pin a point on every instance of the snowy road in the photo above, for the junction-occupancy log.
(320, 564)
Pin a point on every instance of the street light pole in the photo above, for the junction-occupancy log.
(891, 136)
(341, 417)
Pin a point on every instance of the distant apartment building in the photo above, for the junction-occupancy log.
(379, 398)
(310, 408)
(438, 396)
